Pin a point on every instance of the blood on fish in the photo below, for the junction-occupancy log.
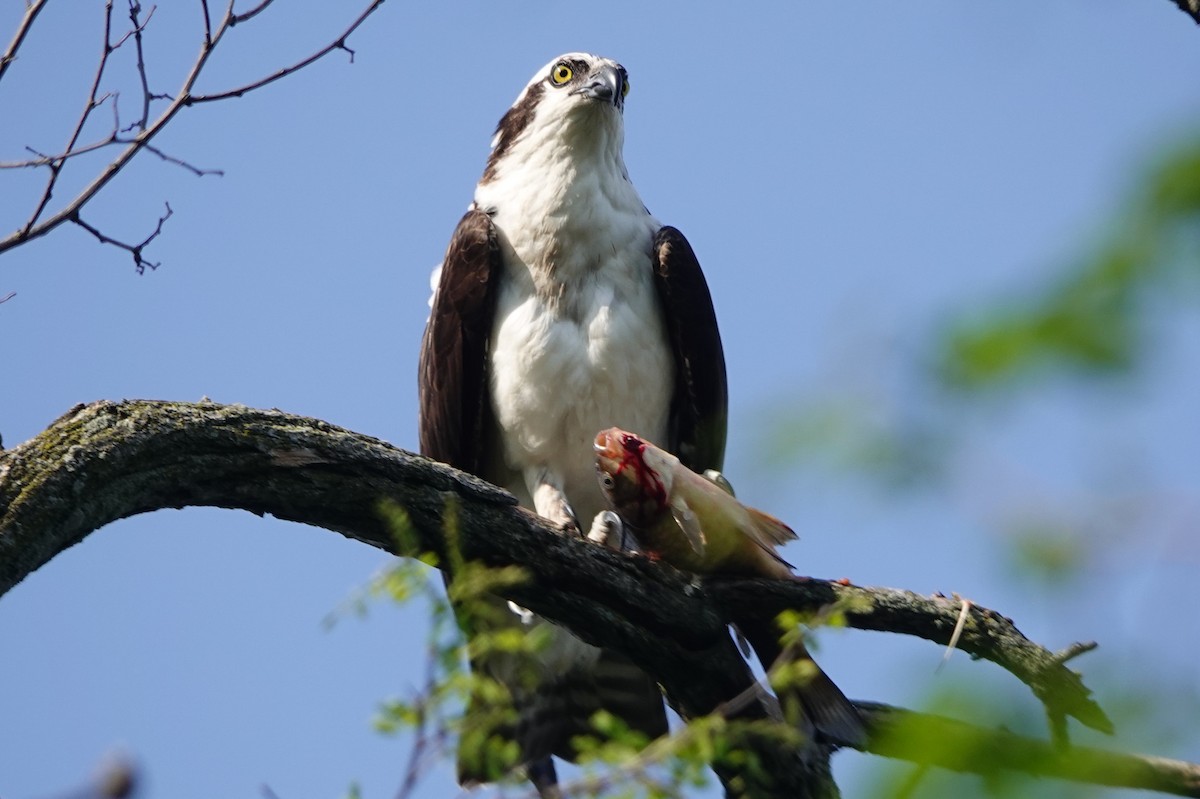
(650, 482)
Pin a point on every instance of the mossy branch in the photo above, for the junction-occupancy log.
(109, 460)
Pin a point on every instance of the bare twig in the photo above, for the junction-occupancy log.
(337, 44)
(92, 103)
(135, 8)
(114, 138)
(415, 768)
(1074, 650)
(43, 159)
(10, 52)
(237, 19)
(39, 225)
(207, 22)
(170, 159)
(135, 250)
(8, 296)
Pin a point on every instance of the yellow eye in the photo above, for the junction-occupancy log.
(560, 74)
(625, 88)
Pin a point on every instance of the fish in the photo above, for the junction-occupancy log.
(695, 524)
(684, 518)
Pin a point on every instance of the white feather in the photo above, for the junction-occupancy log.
(578, 343)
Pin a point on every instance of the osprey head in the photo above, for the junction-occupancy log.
(589, 78)
(576, 98)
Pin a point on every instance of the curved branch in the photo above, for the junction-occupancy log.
(110, 460)
(986, 634)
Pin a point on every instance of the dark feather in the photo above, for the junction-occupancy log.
(700, 404)
(452, 379)
(511, 126)
(822, 703)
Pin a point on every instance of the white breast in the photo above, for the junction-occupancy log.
(578, 343)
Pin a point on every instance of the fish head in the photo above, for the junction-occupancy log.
(634, 475)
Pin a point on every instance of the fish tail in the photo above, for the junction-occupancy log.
(770, 528)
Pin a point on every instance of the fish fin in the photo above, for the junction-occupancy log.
(768, 531)
(687, 521)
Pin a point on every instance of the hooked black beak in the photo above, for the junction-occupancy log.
(606, 84)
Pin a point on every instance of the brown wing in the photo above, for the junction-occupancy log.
(452, 379)
(700, 404)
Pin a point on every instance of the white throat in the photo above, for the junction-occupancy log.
(578, 343)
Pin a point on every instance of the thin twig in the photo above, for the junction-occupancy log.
(237, 19)
(135, 8)
(337, 44)
(37, 226)
(207, 22)
(170, 159)
(1074, 650)
(10, 52)
(8, 296)
(43, 159)
(91, 105)
(414, 769)
(135, 250)
(113, 139)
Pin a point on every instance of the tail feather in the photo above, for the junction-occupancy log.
(821, 702)
(562, 710)
(831, 713)
(555, 713)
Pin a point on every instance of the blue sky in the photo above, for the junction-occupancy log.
(849, 176)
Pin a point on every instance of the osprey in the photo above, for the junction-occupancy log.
(563, 307)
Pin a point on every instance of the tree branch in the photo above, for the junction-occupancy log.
(139, 263)
(921, 738)
(110, 460)
(10, 52)
(37, 226)
(986, 634)
(93, 102)
(337, 44)
(135, 9)
(107, 461)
